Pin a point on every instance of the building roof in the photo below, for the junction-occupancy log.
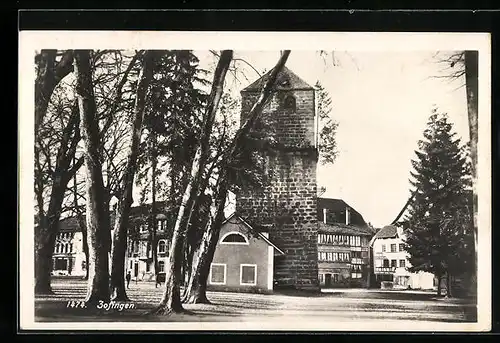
(136, 212)
(286, 80)
(251, 229)
(343, 229)
(389, 231)
(339, 206)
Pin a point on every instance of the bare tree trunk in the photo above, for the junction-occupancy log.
(171, 301)
(154, 240)
(449, 292)
(196, 291)
(471, 85)
(85, 243)
(192, 246)
(439, 277)
(122, 216)
(43, 257)
(81, 225)
(98, 283)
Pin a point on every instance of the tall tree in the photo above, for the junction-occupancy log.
(459, 65)
(171, 298)
(236, 154)
(440, 183)
(171, 126)
(125, 201)
(97, 224)
(471, 85)
(327, 127)
(59, 175)
(56, 141)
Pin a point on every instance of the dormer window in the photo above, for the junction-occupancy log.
(289, 103)
(234, 238)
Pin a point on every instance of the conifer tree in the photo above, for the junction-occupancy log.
(439, 221)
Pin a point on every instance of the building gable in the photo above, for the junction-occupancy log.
(245, 228)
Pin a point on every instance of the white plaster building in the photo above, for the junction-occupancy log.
(390, 262)
(68, 257)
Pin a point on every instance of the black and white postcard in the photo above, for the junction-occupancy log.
(254, 181)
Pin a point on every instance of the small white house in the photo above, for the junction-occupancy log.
(391, 262)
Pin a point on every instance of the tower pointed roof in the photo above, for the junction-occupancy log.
(286, 80)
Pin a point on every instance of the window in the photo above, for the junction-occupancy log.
(148, 267)
(356, 254)
(334, 256)
(336, 278)
(401, 247)
(358, 241)
(356, 272)
(135, 247)
(383, 247)
(386, 263)
(84, 265)
(394, 263)
(393, 247)
(289, 103)
(161, 225)
(402, 263)
(248, 274)
(218, 274)
(161, 267)
(321, 278)
(162, 246)
(70, 248)
(234, 238)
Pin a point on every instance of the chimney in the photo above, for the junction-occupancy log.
(347, 216)
(324, 215)
(399, 230)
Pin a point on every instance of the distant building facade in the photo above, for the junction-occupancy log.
(391, 262)
(139, 255)
(243, 260)
(68, 258)
(343, 245)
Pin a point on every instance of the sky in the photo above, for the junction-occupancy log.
(381, 101)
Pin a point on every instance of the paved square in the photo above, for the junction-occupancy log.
(360, 305)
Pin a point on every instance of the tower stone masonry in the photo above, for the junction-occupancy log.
(288, 203)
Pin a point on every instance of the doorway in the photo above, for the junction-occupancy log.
(328, 280)
(136, 269)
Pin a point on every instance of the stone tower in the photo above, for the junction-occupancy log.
(288, 204)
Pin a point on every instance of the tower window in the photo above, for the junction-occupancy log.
(289, 103)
